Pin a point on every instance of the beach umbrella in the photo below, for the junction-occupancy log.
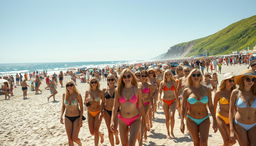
(3, 80)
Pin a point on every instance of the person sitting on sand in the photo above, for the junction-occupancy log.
(72, 107)
(222, 97)
(170, 99)
(24, 87)
(108, 102)
(242, 109)
(93, 101)
(52, 86)
(128, 101)
(196, 99)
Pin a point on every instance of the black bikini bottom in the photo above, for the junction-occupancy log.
(72, 119)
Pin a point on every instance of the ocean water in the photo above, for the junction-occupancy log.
(13, 68)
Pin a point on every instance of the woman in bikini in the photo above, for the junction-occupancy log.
(222, 97)
(196, 99)
(52, 86)
(93, 101)
(147, 91)
(108, 102)
(6, 91)
(24, 88)
(154, 83)
(169, 89)
(61, 77)
(72, 107)
(242, 109)
(128, 101)
(37, 84)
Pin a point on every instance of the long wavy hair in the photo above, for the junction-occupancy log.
(98, 84)
(74, 89)
(223, 85)
(189, 77)
(241, 85)
(171, 74)
(120, 82)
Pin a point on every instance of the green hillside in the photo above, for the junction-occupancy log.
(235, 37)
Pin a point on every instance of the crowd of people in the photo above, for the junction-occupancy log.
(135, 92)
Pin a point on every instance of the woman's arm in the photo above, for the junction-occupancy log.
(115, 108)
(232, 111)
(215, 102)
(62, 109)
(211, 108)
(184, 108)
(80, 101)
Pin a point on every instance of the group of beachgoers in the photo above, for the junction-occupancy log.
(135, 92)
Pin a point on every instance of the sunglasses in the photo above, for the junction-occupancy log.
(144, 76)
(127, 77)
(69, 85)
(186, 70)
(93, 82)
(196, 75)
(250, 79)
(231, 81)
(111, 80)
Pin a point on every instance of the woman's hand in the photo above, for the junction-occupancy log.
(61, 120)
(112, 127)
(214, 126)
(182, 127)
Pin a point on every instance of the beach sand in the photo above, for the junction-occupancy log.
(36, 122)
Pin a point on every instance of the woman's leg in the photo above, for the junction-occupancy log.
(69, 127)
(172, 117)
(123, 128)
(167, 117)
(194, 131)
(75, 133)
(223, 130)
(252, 136)
(204, 132)
(241, 135)
(110, 134)
(134, 130)
(96, 123)
(90, 123)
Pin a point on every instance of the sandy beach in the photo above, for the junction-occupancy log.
(36, 122)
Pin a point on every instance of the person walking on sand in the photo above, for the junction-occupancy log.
(24, 87)
(52, 86)
(170, 100)
(242, 109)
(128, 101)
(222, 97)
(72, 108)
(6, 91)
(108, 102)
(37, 85)
(93, 101)
(195, 104)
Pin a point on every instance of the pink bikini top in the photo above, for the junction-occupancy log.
(145, 90)
(133, 99)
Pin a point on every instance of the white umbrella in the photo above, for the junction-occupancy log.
(3, 80)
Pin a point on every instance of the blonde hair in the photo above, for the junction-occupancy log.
(171, 74)
(98, 84)
(120, 82)
(189, 80)
(74, 89)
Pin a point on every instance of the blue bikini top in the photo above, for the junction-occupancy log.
(192, 100)
(241, 104)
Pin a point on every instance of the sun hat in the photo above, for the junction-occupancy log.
(247, 72)
(227, 76)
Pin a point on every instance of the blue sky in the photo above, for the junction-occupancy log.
(98, 30)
